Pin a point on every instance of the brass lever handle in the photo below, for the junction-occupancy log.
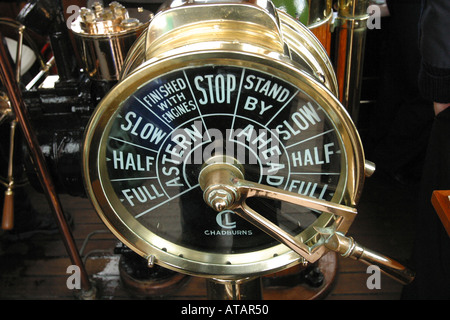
(224, 188)
(349, 248)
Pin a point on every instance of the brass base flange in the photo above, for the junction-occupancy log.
(291, 285)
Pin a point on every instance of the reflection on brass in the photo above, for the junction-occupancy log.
(350, 33)
(109, 20)
(219, 179)
(232, 26)
(316, 15)
(5, 108)
(104, 35)
(165, 253)
(353, 9)
(308, 52)
(195, 27)
(242, 289)
(369, 168)
(347, 247)
(240, 34)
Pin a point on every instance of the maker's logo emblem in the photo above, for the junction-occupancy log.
(224, 220)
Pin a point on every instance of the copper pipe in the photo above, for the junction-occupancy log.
(18, 106)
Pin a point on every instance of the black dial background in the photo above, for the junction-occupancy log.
(150, 171)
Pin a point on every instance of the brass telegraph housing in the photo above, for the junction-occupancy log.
(185, 36)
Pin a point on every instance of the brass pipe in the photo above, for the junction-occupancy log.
(221, 178)
(350, 28)
(243, 289)
(349, 248)
(18, 106)
(19, 53)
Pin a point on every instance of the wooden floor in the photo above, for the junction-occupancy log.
(37, 268)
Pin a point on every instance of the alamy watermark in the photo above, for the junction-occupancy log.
(74, 280)
(373, 21)
(374, 280)
(250, 145)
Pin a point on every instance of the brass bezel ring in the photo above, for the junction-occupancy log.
(181, 259)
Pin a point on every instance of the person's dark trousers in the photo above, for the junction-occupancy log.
(431, 257)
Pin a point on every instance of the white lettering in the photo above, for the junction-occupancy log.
(308, 188)
(251, 104)
(266, 87)
(218, 88)
(302, 120)
(193, 310)
(146, 131)
(131, 161)
(141, 194)
(312, 156)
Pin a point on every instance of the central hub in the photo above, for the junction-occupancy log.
(217, 180)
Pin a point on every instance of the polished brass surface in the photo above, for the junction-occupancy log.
(347, 247)
(316, 15)
(311, 13)
(222, 176)
(242, 289)
(308, 52)
(105, 20)
(353, 9)
(192, 26)
(104, 35)
(350, 33)
(146, 243)
(270, 31)
(369, 168)
(246, 35)
(6, 112)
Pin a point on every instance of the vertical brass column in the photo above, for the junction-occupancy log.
(245, 289)
(350, 28)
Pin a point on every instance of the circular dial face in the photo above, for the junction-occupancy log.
(154, 143)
